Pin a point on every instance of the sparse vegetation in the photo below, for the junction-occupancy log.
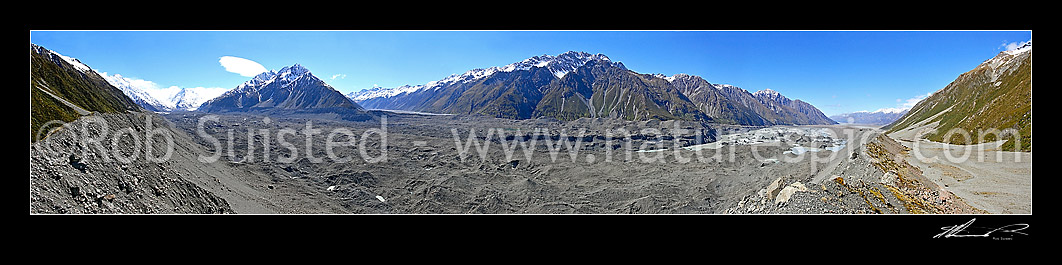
(985, 103)
(84, 89)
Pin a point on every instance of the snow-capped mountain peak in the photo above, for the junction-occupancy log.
(290, 88)
(292, 72)
(559, 65)
(286, 74)
(767, 92)
(568, 61)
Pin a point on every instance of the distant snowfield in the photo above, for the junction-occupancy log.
(167, 98)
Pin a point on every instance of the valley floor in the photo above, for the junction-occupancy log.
(463, 164)
(999, 182)
(423, 164)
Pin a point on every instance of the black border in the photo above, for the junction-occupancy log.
(496, 15)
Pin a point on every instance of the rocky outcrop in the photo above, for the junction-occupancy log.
(116, 163)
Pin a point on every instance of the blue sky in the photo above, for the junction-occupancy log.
(837, 71)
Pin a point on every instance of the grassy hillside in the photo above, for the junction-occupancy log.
(84, 89)
(996, 95)
(44, 108)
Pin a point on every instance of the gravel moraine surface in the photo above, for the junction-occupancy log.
(467, 164)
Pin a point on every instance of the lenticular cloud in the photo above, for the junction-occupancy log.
(241, 66)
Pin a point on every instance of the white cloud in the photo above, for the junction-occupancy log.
(241, 66)
(909, 103)
(905, 104)
(1007, 46)
(340, 76)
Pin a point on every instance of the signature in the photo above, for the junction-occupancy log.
(966, 230)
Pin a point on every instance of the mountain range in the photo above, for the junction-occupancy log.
(997, 94)
(576, 85)
(567, 86)
(878, 117)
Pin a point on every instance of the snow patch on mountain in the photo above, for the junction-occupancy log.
(767, 92)
(285, 75)
(71, 60)
(74, 61)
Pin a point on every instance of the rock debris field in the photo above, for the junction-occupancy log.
(455, 164)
